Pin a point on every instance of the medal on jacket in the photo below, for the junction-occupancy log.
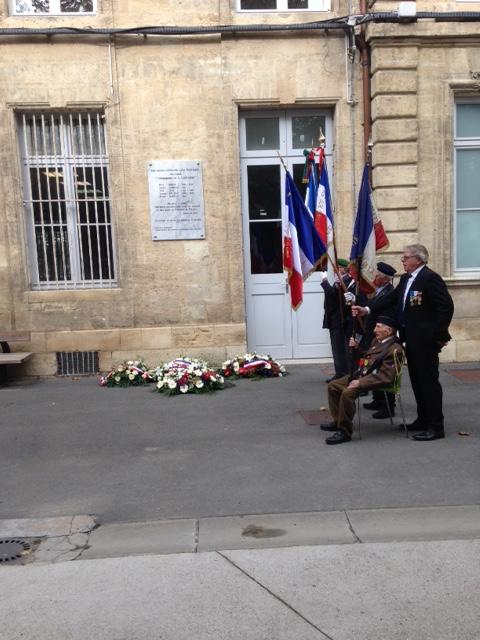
(415, 298)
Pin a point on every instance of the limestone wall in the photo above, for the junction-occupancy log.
(164, 99)
(416, 77)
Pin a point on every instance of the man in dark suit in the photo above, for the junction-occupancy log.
(424, 309)
(338, 318)
(376, 369)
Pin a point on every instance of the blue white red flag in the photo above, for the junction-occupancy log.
(363, 254)
(303, 248)
(323, 217)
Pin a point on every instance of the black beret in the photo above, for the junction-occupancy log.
(388, 320)
(386, 269)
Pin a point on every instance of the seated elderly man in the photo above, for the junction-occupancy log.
(376, 369)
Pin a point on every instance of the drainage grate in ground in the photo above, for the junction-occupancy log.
(13, 550)
(467, 375)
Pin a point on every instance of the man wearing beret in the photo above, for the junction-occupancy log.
(383, 285)
(376, 369)
(424, 310)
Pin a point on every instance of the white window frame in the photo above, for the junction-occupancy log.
(458, 144)
(282, 6)
(72, 228)
(53, 11)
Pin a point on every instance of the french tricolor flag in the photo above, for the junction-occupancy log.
(323, 217)
(363, 253)
(303, 248)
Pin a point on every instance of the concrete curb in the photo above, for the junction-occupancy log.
(244, 532)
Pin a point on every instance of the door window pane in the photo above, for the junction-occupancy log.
(468, 120)
(468, 239)
(262, 133)
(264, 194)
(306, 131)
(258, 4)
(468, 178)
(297, 174)
(266, 247)
(298, 4)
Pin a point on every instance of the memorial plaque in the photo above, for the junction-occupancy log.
(176, 200)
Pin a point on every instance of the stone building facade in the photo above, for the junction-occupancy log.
(140, 98)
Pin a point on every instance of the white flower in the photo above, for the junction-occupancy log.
(172, 384)
(135, 372)
(268, 365)
(160, 384)
(199, 384)
(117, 378)
(184, 388)
(220, 379)
(236, 366)
(226, 364)
(129, 362)
(197, 373)
(131, 376)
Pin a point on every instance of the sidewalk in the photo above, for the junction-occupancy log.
(394, 591)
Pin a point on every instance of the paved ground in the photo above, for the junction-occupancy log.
(226, 516)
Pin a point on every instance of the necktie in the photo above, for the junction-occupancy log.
(402, 301)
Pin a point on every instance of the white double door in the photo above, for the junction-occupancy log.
(272, 326)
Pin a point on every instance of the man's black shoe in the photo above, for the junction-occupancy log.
(371, 406)
(338, 438)
(382, 414)
(415, 426)
(328, 426)
(426, 436)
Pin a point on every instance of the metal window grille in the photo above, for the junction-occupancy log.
(67, 200)
(78, 363)
(52, 7)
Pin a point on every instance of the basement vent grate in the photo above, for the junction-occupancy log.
(77, 363)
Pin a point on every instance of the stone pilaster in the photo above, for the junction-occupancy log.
(395, 141)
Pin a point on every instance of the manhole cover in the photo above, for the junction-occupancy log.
(12, 550)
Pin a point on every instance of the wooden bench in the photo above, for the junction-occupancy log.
(7, 357)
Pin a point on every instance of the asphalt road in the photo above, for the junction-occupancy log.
(71, 447)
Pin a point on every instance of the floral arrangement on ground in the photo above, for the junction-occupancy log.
(186, 375)
(129, 373)
(252, 365)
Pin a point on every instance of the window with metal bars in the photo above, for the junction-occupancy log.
(67, 200)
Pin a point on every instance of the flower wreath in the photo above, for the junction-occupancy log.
(184, 375)
(129, 373)
(252, 365)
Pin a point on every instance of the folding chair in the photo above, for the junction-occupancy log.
(399, 361)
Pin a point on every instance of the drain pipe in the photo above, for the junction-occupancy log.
(366, 92)
(350, 59)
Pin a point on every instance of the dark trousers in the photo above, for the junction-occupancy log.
(423, 370)
(379, 399)
(340, 351)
